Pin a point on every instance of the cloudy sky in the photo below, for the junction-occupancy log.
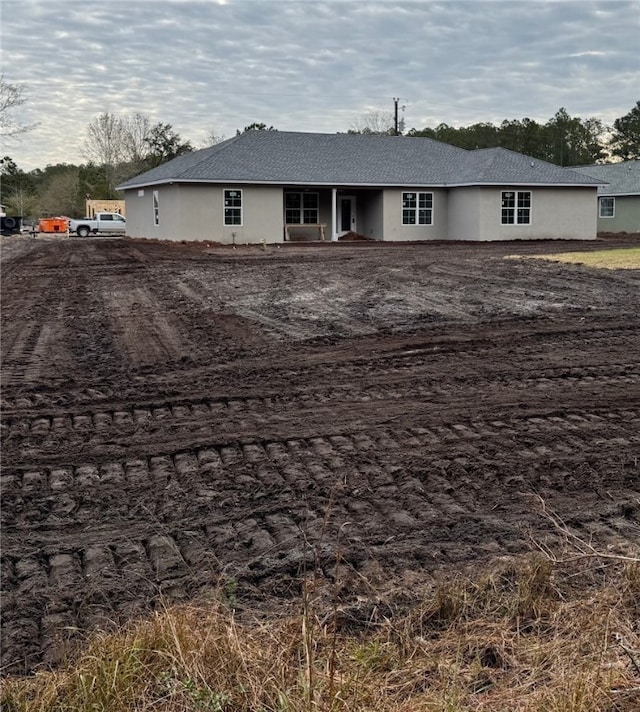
(213, 66)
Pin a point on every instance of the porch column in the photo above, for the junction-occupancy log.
(334, 214)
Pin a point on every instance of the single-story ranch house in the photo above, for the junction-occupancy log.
(273, 186)
(618, 196)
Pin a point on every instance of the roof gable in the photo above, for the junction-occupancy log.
(280, 157)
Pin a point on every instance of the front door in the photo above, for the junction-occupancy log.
(346, 214)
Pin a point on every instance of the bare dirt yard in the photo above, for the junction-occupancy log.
(181, 419)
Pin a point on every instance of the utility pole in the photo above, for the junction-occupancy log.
(395, 116)
(398, 126)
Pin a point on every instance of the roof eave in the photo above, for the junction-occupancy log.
(333, 184)
(522, 184)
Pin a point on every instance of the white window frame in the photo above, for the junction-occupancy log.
(301, 210)
(226, 219)
(601, 201)
(156, 208)
(417, 211)
(516, 208)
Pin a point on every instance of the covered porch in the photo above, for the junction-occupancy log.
(327, 214)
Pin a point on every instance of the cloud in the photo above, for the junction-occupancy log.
(210, 66)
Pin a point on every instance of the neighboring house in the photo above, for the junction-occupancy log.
(618, 196)
(274, 186)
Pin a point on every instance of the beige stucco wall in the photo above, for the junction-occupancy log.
(196, 212)
(371, 214)
(463, 211)
(394, 230)
(556, 213)
(139, 204)
(136, 208)
(626, 215)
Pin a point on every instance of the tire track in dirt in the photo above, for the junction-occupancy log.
(142, 327)
(548, 447)
(123, 416)
(25, 345)
(157, 443)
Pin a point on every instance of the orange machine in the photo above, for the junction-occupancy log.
(52, 225)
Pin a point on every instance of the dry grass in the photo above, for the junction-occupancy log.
(619, 258)
(530, 636)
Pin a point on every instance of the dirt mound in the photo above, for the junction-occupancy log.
(354, 236)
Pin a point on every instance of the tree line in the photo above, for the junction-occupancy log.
(119, 147)
(564, 140)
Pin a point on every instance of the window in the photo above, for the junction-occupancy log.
(516, 207)
(156, 208)
(607, 207)
(301, 208)
(417, 208)
(233, 207)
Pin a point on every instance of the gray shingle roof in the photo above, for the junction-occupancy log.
(622, 178)
(280, 157)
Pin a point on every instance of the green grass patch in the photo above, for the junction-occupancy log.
(619, 258)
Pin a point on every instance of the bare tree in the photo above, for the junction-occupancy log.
(213, 138)
(12, 96)
(136, 129)
(17, 188)
(21, 202)
(374, 122)
(105, 145)
(105, 140)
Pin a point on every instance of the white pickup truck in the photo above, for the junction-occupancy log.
(101, 224)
